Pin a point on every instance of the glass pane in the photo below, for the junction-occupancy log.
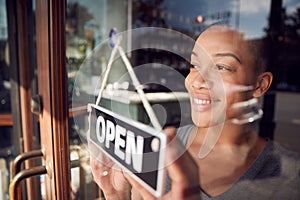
(5, 105)
(12, 140)
(159, 39)
(287, 113)
(88, 24)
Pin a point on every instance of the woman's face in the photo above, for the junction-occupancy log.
(221, 70)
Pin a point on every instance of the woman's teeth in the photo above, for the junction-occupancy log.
(202, 101)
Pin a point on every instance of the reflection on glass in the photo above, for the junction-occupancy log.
(4, 62)
(88, 24)
(5, 105)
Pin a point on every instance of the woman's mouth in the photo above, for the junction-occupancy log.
(201, 104)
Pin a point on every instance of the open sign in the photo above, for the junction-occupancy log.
(136, 147)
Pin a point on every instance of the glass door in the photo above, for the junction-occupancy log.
(41, 128)
(41, 101)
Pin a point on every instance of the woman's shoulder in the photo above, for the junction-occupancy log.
(278, 150)
(281, 167)
(279, 161)
(288, 158)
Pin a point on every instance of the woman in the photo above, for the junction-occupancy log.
(225, 157)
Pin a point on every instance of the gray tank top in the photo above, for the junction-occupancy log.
(275, 174)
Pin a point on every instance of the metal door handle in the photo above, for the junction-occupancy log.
(16, 166)
(26, 173)
(18, 175)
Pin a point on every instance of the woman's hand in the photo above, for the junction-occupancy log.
(182, 170)
(108, 176)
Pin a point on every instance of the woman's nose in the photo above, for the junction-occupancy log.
(198, 83)
(201, 81)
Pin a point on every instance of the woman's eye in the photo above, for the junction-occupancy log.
(195, 67)
(192, 66)
(223, 68)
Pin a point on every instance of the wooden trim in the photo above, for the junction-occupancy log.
(50, 28)
(25, 73)
(6, 119)
(25, 50)
(44, 89)
(59, 98)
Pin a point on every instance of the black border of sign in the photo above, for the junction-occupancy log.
(163, 140)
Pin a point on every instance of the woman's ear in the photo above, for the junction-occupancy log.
(263, 83)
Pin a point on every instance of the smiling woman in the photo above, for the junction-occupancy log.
(225, 156)
(223, 55)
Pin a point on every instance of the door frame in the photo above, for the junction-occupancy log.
(52, 87)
